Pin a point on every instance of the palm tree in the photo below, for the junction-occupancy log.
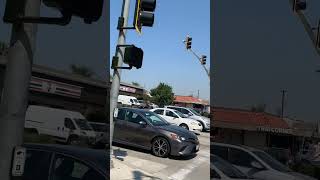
(81, 70)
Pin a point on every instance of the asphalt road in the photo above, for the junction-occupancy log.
(174, 168)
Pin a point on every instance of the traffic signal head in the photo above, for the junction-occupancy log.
(188, 42)
(203, 59)
(144, 14)
(89, 10)
(133, 56)
(299, 5)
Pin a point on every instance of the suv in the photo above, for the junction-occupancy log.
(205, 122)
(255, 163)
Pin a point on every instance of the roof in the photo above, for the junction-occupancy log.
(190, 99)
(69, 76)
(244, 119)
(98, 158)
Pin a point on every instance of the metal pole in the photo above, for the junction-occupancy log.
(114, 92)
(14, 99)
(282, 103)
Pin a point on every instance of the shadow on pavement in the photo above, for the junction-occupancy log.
(149, 152)
(139, 176)
(119, 154)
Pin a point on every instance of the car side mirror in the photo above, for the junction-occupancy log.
(256, 165)
(143, 123)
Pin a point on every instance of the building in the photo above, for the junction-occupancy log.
(64, 90)
(258, 129)
(192, 102)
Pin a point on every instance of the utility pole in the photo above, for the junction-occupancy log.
(198, 93)
(114, 92)
(282, 102)
(14, 100)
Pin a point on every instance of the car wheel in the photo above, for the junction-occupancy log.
(160, 147)
(202, 130)
(184, 126)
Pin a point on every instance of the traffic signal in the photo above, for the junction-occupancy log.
(133, 56)
(188, 42)
(299, 5)
(203, 59)
(89, 10)
(144, 14)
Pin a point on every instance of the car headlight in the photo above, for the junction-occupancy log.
(176, 137)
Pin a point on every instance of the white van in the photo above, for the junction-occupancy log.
(65, 126)
(128, 100)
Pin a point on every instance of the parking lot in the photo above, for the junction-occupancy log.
(182, 168)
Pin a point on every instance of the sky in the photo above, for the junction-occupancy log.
(165, 57)
(260, 48)
(76, 43)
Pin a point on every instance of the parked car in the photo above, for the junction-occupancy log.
(143, 104)
(102, 135)
(147, 130)
(255, 163)
(64, 126)
(128, 101)
(179, 119)
(280, 154)
(221, 169)
(152, 105)
(193, 114)
(45, 162)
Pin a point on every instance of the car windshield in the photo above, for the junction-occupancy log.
(83, 124)
(154, 119)
(227, 169)
(180, 114)
(194, 112)
(271, 161)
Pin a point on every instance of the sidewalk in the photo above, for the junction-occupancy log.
(121, 171)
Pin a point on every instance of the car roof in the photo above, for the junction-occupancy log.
(98, 158)
(236, 146)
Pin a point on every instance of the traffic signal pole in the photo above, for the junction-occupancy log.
(199, 58)
(14, 100)
(114, 92)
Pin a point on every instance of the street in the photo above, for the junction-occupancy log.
(174, 168)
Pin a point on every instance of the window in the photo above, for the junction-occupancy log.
(220, 151)
(171, 114)
(37, 165)
(134, 117)
(184, 111)
(66, 168)
(240, 158)
(121, 114)
(159, 111)
(69, 124)
(214, 174)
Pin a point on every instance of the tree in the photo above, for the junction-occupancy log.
(81, 70)
(162, 95)
(258, 108)
(135, 83)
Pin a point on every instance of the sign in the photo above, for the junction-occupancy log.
(54, 87)
(127, 89)
(19, 159)
(274, 130)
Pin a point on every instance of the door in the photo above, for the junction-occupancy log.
(69, 128)
(119, 133)
(136, 133)
(172, 117)
(67, 168)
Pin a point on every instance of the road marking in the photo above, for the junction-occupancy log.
(182, 173)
